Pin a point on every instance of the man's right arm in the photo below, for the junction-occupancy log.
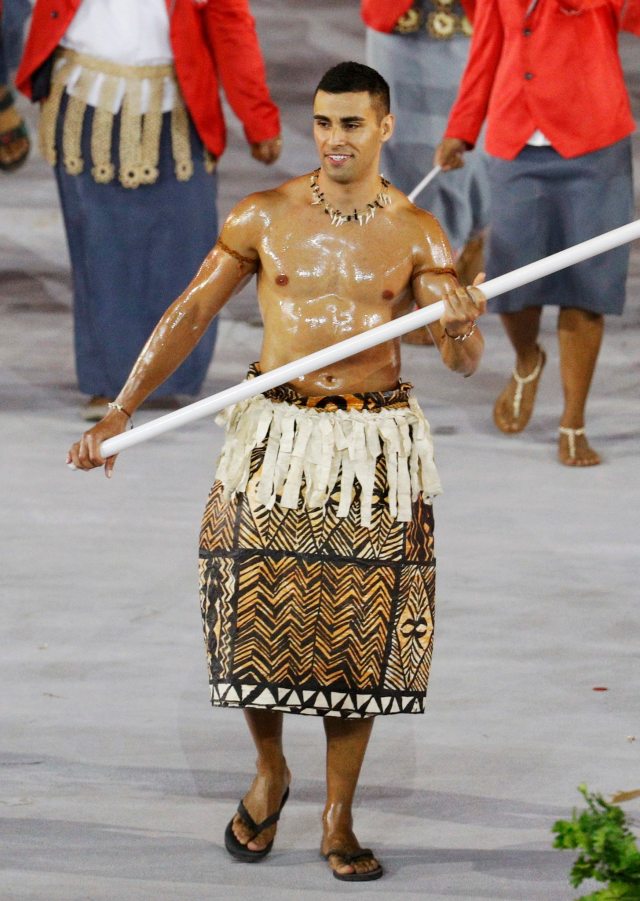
(233, 259)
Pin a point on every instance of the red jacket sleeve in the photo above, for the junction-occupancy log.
(232, 34)
(631, 17)
(626, 11)
(470, 109)
(586, 5)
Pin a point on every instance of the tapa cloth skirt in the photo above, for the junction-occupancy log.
(317, 567)
(542, 203)
(133, 251)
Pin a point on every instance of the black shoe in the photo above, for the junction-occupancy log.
(237, 849)
(351, 858)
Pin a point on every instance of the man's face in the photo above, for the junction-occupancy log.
(349, 134)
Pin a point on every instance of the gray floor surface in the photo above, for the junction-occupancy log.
(118, 779)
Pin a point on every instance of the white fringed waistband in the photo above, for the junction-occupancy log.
(321, 447)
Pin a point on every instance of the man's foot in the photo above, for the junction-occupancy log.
(347, 859)
(14, 140)
(513, 408)
(265, 798)
(96, 408)
(574, 449)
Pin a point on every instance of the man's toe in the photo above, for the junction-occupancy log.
(337, 863)
(240, 831)
(260, 842)
(345, 869)
(367, 865)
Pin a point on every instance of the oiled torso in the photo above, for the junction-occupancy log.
(318, 284)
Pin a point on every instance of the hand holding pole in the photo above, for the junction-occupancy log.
(343, 349)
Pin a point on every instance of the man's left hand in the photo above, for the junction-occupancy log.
(462, 307)
(267, 151)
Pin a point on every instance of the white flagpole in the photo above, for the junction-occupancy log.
(419, 188)
(390, 330)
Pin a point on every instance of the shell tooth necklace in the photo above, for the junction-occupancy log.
(362, 217)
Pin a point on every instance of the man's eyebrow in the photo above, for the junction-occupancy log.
(346, 120)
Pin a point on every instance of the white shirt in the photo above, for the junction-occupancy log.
(539, 139)
(126, 32)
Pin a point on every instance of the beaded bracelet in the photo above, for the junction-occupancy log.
(465, 336)
(114, 405)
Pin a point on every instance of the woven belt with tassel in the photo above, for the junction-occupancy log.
(442, 23)
(139, 146)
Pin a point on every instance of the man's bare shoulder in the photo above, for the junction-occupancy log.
(258, 209)
(413, 216)
(427, 236)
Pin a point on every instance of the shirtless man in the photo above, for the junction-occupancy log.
(318, 282)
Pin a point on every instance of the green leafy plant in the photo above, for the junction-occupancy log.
(609, 852)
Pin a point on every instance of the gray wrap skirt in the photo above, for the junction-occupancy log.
(542, 203)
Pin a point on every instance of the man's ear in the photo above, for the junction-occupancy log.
(387, 126)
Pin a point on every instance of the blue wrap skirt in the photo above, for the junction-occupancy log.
(133, 251)
(542, 203)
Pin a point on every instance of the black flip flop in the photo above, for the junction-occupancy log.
(239, 851)
(351, 858)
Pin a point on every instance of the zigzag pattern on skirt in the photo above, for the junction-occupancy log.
(307, 610)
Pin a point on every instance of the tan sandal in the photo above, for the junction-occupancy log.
(592, 458)
(14, 140)
(519, 414)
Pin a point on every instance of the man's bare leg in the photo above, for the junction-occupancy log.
(513, 407)
(579, 338)
(271, 780)
(347, 742)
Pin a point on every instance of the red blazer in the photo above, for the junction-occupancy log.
(213, 44)
(382, 15)
(556, 72)
(631, 17)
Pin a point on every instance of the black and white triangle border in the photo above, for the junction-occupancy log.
(316, 701)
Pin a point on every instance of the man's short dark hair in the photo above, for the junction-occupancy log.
(355, 77)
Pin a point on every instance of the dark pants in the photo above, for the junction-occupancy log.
(13, 15)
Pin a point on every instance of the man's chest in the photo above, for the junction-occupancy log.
(352, 260)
